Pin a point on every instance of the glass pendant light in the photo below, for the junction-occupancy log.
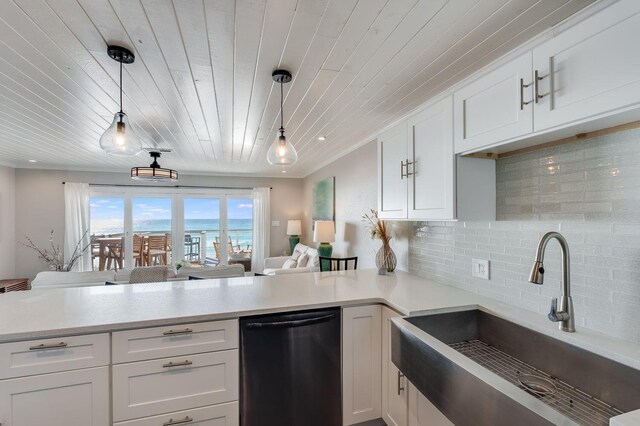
(119, 138)
(281, 152)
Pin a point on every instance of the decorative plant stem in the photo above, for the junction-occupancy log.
(54, 258)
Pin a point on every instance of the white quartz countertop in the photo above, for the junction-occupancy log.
(82, 310)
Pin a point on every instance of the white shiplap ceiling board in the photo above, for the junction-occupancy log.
(201, 83)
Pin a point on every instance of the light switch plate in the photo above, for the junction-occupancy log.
(275, 223)
(480, 268)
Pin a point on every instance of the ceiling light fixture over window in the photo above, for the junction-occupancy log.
(154, 172)
(281, 152)
(119, 138)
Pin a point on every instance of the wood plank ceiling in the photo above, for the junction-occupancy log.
(201, 83)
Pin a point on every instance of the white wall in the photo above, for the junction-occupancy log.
(7, 222)
(40, 201)
(356, 192)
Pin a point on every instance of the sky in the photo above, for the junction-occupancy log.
(102, 208)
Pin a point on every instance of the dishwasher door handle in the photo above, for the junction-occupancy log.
(290, 324)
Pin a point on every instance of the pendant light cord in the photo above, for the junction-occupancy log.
(120, 86)
(281, 114)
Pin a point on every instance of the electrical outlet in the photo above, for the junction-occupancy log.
(480, 268)
(275, 223)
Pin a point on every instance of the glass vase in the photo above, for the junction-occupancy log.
(385, 257)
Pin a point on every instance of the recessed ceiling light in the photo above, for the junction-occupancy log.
(322, 138)
(284, 171)
(33, 161)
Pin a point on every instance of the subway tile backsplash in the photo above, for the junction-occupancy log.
(590, 192)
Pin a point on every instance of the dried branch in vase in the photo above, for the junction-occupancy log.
(55, 258)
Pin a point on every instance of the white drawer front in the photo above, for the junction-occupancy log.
(161, 342)
(215, 415)
(166, 385)
(52, 355)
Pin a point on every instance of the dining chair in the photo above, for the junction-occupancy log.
(115, 254)
(335, 263)
(156, 250)
(138, 250)
(95, 248)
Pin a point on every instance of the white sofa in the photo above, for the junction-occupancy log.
(279, 266)
(53, 279)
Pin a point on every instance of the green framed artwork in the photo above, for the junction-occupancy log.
(324, 199)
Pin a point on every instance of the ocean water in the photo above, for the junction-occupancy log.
(240, 230)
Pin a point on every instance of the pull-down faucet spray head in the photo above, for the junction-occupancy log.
(537, 272)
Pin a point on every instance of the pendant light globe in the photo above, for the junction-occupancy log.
(281, 152)
(119, 138)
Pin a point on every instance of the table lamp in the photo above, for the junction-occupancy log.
(324, 233)
(294, 229)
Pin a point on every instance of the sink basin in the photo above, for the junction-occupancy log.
(480, 369)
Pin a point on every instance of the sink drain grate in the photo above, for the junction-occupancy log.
(573, 403)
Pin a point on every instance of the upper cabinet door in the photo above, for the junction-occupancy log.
(392, 180)
(496, 107)
(590, 69)
(431, 163)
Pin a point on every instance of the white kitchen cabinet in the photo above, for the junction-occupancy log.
(432, 183)
(149, 388)
(78, 397)
(176, 340)
(214, 415)
(591, 69)
(361, 362)
(422, 412)
(41, 356)
(431, 164)
(392, 183)
(495, 107)
(582, 79)
(395, 402)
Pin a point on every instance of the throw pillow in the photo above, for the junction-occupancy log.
(289, 264)
(295, 255)
(303, 260)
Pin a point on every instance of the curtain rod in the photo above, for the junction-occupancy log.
(170, 186)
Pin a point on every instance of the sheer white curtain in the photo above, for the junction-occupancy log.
(76, 223)
(261, 227)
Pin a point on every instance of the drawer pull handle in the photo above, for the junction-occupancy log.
(172, 422)
(45, 346)
(174, 332)
(400, 387)
(177, 364)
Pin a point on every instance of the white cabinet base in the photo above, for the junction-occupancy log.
(361, 361)
(422, 412)
(78, 397)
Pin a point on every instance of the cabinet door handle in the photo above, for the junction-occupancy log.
(536, 79)
(172, 422)
(402, 176)
(45, 346)
(177, 364)
(174, 332)
(413, 163)
(400, 387)
(522, 87)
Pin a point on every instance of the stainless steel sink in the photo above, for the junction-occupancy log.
(479, 369)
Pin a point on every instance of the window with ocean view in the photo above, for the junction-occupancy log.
(140, 229)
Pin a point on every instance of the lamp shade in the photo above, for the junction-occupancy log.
(294, 227)
(324, 232)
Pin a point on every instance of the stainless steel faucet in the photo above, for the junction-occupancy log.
(565, 315)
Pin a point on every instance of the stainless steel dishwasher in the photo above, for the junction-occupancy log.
(290, 369)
